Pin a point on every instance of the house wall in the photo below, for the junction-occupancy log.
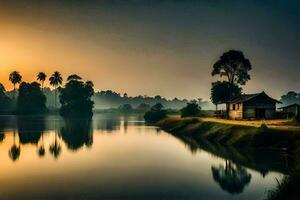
(292, 110)
(251, 106)
(237, 113)
(247, 110)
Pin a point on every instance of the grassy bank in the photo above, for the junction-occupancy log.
(230, 134)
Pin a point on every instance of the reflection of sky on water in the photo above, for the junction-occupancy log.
(129, 160)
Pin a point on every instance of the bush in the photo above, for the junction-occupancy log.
(156, 113)
(192, 109)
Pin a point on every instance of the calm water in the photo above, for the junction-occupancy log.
(118, 157)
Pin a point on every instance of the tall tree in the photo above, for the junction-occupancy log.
(55, 80)
(15, 78)
(234, 66)
(221, 92)
(41, 77)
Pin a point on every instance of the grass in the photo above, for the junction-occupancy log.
(231, 134)
(288, 188)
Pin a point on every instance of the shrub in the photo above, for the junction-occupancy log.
(155, 114)
(192, 109)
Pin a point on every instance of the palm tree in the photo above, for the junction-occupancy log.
(55, 80)
(41, 77)
(15, 78)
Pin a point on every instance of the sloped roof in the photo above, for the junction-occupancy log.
(246, 97)
(292, 105)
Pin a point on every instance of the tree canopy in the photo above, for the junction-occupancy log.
(75, 98)
(221, 92)
(234, 66)
(192, 109)
(156, 113)
(31, 99)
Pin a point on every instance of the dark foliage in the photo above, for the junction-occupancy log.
(31, 99)
(6, 104)
(75, 98)
(290, 98)
(222, 92)
(155, 114)
(234, 66)
(192, 109)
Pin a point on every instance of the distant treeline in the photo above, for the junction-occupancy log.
(110, 99)
(290, 98)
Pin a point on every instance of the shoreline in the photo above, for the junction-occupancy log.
(232, 134)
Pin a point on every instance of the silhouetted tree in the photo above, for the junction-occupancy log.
(75, 98)
(156, 113)
(221, 92)
(31, 99)
(55, 80)
(42, 77)
(15, 78)
(234, 66)
(192, 109)
(290, 98)
(6, 103)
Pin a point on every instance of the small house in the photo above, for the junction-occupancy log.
(252, 106)
(291, 110)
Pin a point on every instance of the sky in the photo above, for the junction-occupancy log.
(152, 47)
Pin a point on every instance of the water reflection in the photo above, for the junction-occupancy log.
(231, 178)
(77, 133)
(124, 158)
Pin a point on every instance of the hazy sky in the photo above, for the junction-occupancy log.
(152, 46)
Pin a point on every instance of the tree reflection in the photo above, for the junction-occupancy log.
(55, 147)
(41, 149)
(15, 150)
(30, 129)
(231, 178)
(77, 133)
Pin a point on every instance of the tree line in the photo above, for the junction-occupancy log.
(74, 97)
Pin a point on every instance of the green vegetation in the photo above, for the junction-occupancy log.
(228, 134)
(192, 109)
(156, 113)
(15, 78)
(75, 98)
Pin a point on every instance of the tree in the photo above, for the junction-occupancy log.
(143, 107)
(15, 150)
(41, 77)
(5, 102)
(221, 92)
(55, 80)
(234, 66)
(15, 78)
(290, 98)
(156, 113)
(31, 99)
(75, 98)
(192, 109)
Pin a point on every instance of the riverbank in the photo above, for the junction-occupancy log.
(232, 134)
